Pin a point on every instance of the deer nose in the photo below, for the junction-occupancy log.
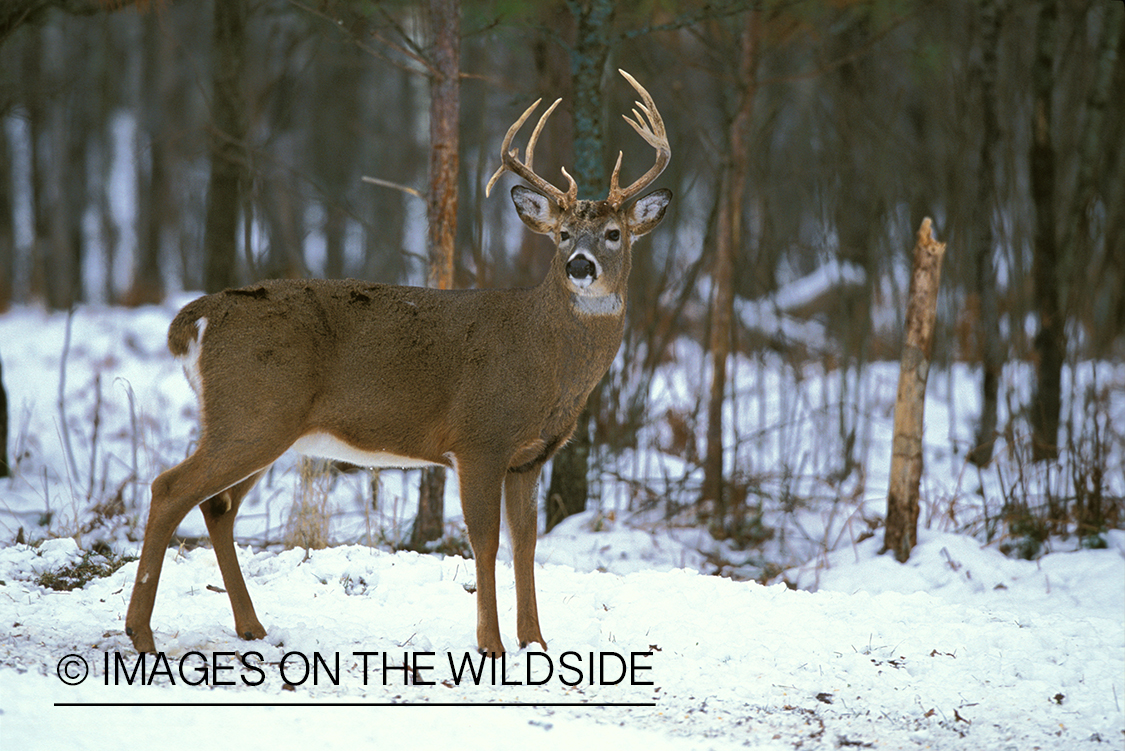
(580, 267)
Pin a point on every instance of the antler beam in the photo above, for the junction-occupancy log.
(652, 130)
(509, 161)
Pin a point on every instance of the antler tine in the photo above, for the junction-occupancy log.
(538, 129)
(650, 126)
(572, 191)
(613, 189)
(507, 144)
(509, 160)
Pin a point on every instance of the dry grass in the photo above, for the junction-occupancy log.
(311, 512)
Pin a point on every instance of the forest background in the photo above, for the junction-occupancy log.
(152, 147)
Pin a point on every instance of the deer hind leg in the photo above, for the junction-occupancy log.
(219, 513)
(480, 501)
(203, 475)
(523, 523)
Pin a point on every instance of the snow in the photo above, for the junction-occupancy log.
(789, 314)
(960, 648)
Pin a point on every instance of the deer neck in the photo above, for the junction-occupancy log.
(589, 309)
(610, 305)
(585, 331)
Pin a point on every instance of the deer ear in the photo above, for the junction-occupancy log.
(536, 210)
(647, 212)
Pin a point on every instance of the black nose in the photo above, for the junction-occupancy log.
(580, 267)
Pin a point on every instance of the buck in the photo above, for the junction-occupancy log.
(489, 383)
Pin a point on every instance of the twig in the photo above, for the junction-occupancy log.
(65, 429)
(133, 433)
(94, 436)
(396, 186)
(409, 49)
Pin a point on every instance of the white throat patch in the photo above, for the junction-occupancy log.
(597, 305)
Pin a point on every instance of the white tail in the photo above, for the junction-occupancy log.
(487, 382)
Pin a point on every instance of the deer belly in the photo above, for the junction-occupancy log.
(327, 446)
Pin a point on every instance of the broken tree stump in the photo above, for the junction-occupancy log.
(901, 532)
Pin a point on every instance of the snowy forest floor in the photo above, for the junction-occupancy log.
(961, 648)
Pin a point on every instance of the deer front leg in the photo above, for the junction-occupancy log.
(523, 522)
(480, 501)
(219, 513)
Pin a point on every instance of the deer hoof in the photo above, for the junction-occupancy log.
(253, 632)
(493, 652)
(142, 639)
(540, 641)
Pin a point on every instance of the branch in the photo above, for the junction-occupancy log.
(15, 13)
(396, 186)
(691, 18)
(414, 54)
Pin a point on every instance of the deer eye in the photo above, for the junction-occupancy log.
(564, 236)
(613, 235)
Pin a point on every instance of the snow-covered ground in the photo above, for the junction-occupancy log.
(961, 648)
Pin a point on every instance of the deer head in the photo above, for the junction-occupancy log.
(594, 238)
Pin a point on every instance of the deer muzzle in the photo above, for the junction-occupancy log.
(581, 269)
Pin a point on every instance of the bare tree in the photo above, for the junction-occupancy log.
(988, 325)
(441, 212)
(569, 485)
(7, 224)
(5, 469)
(1078, 239)
(152, 183)
(226, 145)
(1050, 342)
(729, 244)
(33, 75)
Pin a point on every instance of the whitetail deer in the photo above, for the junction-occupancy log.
(487, 382)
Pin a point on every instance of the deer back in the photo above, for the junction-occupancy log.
(412, 372)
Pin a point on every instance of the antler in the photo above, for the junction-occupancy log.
(653, 133)
(509, 161)
(649, 125)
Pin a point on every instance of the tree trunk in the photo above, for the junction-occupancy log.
(569, 486)
(1110, 303)
(729, 242)
(65, 284)
(4, 466)
(102, 185)
(992, 358)
(336, 123)
(859, 214)
(593, 20)
(906, 454)
(1050, 342)
(35, 104)
(152, 184)
(441, 211)
(227, 146)
(7, 224)
(1077, 243)
(59, 203)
